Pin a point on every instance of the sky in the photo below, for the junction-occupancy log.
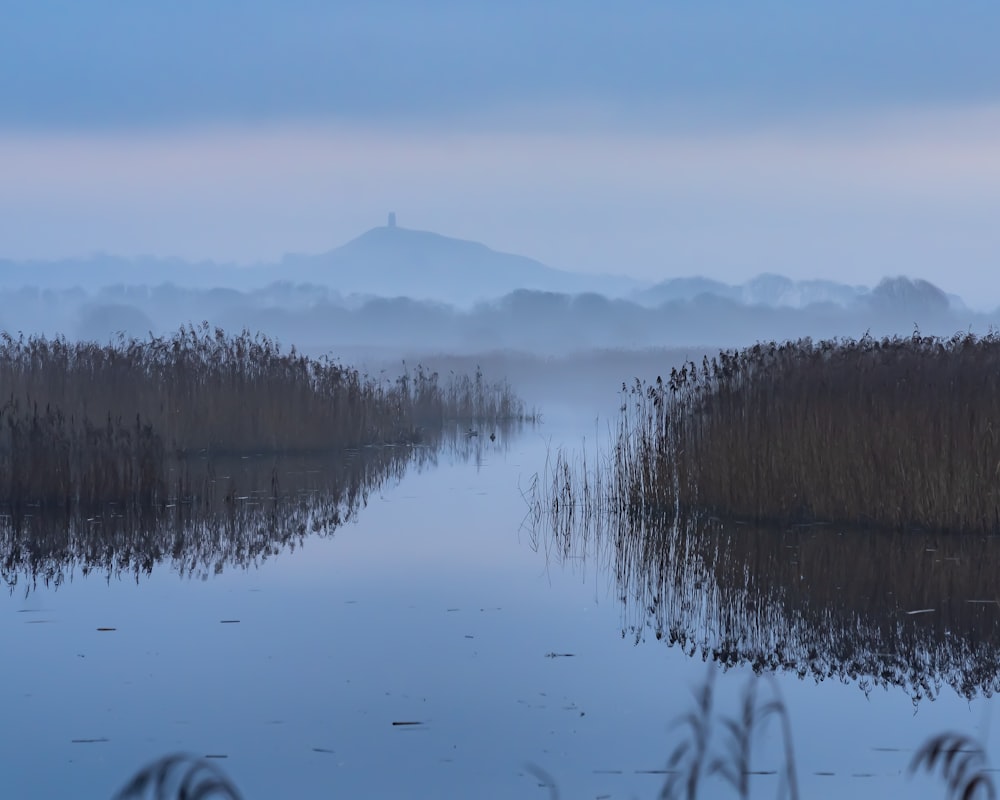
(656, 139)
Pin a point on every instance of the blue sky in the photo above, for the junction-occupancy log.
(847, 140)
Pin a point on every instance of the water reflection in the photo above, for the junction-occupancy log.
(903, 609)
(223, 512)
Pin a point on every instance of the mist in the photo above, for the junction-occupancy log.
(392, 284)
(857, 197)
(564, 339)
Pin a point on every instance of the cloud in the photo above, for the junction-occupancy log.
(105, 65)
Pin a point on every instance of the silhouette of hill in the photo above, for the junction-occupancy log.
(390, 261)
(387, 261)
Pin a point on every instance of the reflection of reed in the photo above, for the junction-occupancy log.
(221, 512)
(232, 512)
(904, 609)
(465, 444)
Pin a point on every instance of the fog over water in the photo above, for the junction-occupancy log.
(440, 294)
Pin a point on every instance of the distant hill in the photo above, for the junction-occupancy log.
(390, 261)
(423, 267)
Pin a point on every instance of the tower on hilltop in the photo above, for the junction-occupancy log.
(392, 219)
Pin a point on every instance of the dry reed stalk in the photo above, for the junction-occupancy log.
(901, 432)
(83, 424)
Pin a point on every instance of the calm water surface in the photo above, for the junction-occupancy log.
(437, 604)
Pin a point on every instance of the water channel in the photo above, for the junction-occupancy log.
(288, 642)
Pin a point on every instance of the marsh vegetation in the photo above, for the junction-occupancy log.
(890, 433)
(84, 425)
(874, 607)
(824, 509)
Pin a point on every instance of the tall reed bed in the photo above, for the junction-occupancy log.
(475, 398)
(82, 423)
(896, 432)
